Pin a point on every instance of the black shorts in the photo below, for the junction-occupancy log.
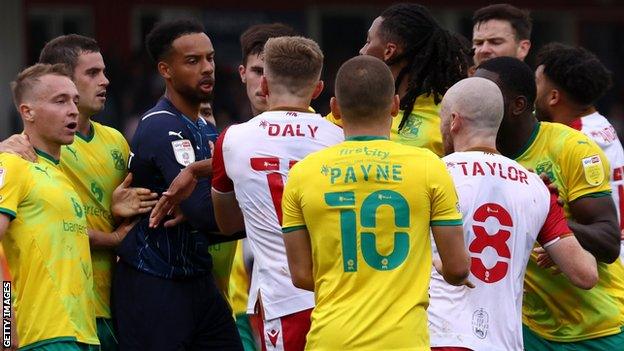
(153, 313)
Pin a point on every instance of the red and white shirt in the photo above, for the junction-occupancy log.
(253, 159)
(598, 128)
(505, 210)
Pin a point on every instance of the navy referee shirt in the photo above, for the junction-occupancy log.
(165, 142)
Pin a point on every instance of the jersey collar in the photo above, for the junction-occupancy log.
(366, 138)
(529, 142)
(47, 156)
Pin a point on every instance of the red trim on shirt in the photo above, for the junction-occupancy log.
(220, 180)
(556, 225)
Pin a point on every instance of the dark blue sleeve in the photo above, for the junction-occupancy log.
(157, 147)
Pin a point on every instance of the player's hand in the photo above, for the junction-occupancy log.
(178, 217)
(19, 144)
(552, 187)
(123, 229)
(437, 264)
(622, 234)
(129, 202)
(545, 261)
(181, 188)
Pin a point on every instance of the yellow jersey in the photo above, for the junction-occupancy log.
(371, 281)
(239, 282)
(96, 165)
(552, 307)
(47, 248)
(421, 129)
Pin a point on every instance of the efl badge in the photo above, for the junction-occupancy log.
(183, 151)
(2, 173)
(594, 173)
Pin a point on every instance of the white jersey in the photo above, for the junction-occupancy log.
(598, 128)
(504, 207)
(257, 156)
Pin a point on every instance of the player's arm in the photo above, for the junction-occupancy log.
(5, 220)
(19, 144)
(564, 250)
(446, 225)
(228, 214)
(156, 145)
(100, 239)
(453, 255)
(299, 253)
(593, 215)
(594, 223)
(296, 235)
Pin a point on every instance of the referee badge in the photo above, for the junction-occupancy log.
(592, 167)
(183, 151)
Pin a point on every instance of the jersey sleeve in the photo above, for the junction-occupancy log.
(555, 226)
(13, 184)
(292, 213)
(444, 201)
(586, 167)
(220, 180)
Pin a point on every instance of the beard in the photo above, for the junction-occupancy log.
(194, 94)
(542, 114)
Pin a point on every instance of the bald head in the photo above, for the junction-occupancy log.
(478, 101)
(471, 112)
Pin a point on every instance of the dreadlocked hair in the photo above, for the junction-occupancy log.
(436, 59)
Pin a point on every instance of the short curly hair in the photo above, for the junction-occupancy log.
(158, 41)
(576, 71)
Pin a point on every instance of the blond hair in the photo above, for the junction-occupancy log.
(28, 78)
(293, 63)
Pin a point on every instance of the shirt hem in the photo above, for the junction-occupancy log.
(586, 337)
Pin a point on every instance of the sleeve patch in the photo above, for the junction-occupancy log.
(2, 173)
(593, 170)
(183, 151)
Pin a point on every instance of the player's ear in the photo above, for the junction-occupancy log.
(390, 51)
(241, 72)
(164, 69)
(318, 89)
(335, 109)
(554, 97)
(523, 49)
(396, 102)
(519, 105)
(456, 122)
(264, 85)
(28, 114)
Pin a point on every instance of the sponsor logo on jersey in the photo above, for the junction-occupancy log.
(480, 323)
(183, 151)
(42, 170)
(592, 168)
(178, 134)
(546, 167)
(412, 127)
(2, 173)
(77, 207)
(118, 160)
(96, 190)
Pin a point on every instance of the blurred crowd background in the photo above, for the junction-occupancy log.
(339, 26)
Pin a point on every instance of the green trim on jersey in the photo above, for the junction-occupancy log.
(529, 142)
(595, 195)
(89, 137)
(8, 212)
(446, 223)
(366, 138)
(286, 230)
(48, 341)
(47, 156)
